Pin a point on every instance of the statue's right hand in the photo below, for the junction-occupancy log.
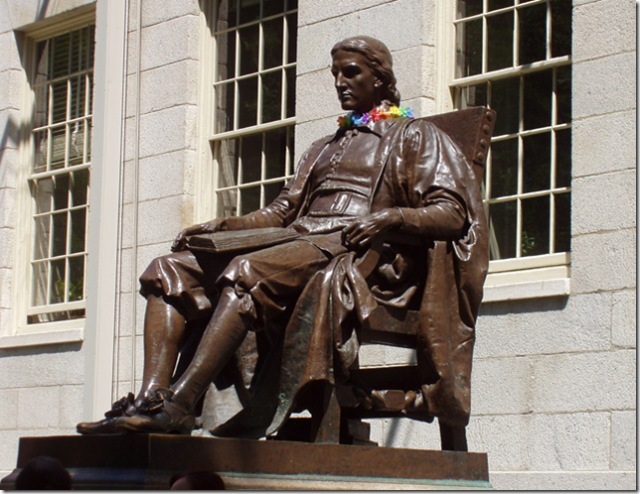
(181, 240)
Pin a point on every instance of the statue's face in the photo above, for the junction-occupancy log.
(355, 82)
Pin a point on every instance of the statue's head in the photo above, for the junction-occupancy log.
(378, 59)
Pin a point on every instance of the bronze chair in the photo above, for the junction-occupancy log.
(337, 420)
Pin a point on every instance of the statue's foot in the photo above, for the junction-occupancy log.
(123, 407)
(161, 415)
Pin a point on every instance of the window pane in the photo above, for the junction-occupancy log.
(58, 136)
(470, 53)
(563, 223)
(251, 158)
(61, 192)
(249, 50)
(563, 158)
(275, 153)
(248, 98)
(79, 187)
(78, 229)
(227, 157)
(502, 221)
(533, 33)
(271, 191)
(271, 96)
(292, 25)
(42, 237)
(76, 135)
(560, 28)
(58, 102)
(473, 96)
(42, 191)
(57, 288)
(498, 4)
(563, 94)
(226, 202)
(249, 10)
(535, 226)
(76, 278)
(504, 168)
(504, 100)
(537, 100)
(41, 149)
(536, 162)
(226, 66)
(291, 92)
(272, 7)
(273, 42)
(225, 107)
(249, 199)
(59, 247)
(467, 8)
(39, 280)
(500, 41)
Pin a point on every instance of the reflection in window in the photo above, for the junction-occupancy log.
(514, 57)
(59, 179)
(254, 88)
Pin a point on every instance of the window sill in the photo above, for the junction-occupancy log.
(534, 277)
(43, 338)
(529, 289)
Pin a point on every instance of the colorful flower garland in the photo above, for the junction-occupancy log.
(353, 119)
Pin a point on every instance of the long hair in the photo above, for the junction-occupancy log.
(379, 60)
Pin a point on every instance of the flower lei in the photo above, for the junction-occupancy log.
(353, 119)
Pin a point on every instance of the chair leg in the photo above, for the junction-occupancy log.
(325, 426)
(453, 438)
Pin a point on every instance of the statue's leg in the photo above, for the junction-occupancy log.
(164, 329)
(224, 334)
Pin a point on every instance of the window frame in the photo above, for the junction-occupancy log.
(208, 176)
(20, 332)
(516, 278)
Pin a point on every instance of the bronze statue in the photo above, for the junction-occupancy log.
(302, 299)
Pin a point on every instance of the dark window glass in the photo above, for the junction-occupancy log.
(251, 156)
(249, 199)
(275, 153)
(248, 97)
(500, 41)
(536, 162)
(563, 158)
(273, 39)
(271, 96)
(502, 218)
(504, 100)
(497, 4)
(535, 226)
(537, 100)
(563, 222)
(563, 94)
(248, 49)
(471, 56)
(533, 33)
(560, 28)
(467, 8)
(504, 168)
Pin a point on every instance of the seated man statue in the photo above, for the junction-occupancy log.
(381, 172)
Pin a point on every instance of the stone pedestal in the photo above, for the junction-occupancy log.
(147, 461)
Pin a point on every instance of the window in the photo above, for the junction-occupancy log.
(253, 99)
(514, 57)
(58, 179)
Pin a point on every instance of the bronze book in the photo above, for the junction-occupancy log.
(240, 240)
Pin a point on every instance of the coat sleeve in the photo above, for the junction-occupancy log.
(426, 165)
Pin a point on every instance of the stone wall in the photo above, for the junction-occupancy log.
(554, 381)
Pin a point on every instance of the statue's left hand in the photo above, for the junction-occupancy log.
(360, 233)
(208, 227)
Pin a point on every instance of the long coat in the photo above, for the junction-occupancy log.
(421, 171)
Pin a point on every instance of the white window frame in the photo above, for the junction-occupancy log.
(19, 333)
(209, 180)
(516, 278)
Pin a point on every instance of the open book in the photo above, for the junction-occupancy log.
(240, 240)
